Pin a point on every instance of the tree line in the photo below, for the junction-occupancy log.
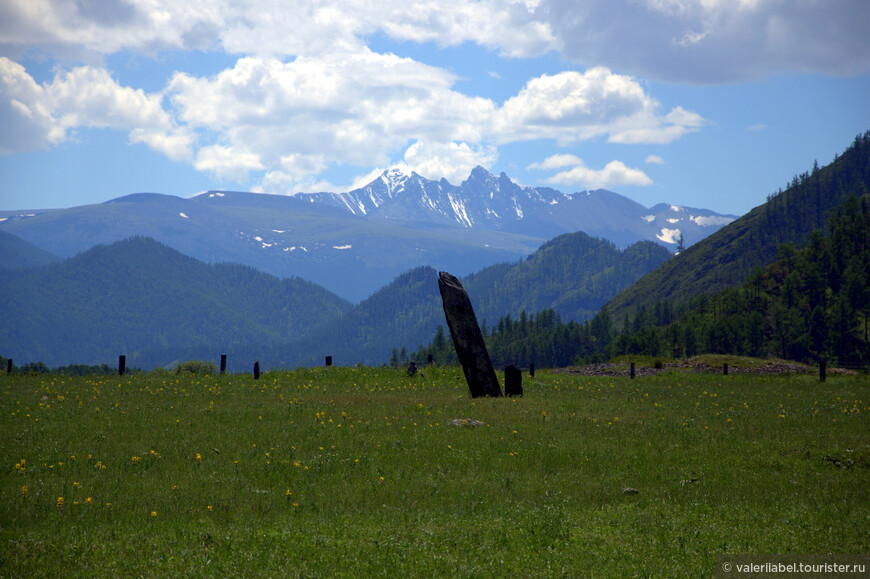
(811, 304)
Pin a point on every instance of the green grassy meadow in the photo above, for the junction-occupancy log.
(358, 472)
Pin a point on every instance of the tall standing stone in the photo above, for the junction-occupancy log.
(513, 381)
(467, 338)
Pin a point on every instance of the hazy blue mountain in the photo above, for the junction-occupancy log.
(407, 310)
(139, 295)
(284, 236)
(572, 274)
(157, 306)
(486, 201)
(15, 253)
(354, 243)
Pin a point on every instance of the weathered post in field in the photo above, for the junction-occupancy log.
(429, 360)
(823, 369)
(9, 366)
(122, 364)
(467, 338)
(328, 361)
(223, 363)
(531, 370)
(513, 381)
(632, 370)
(257, 370)
(725, 369)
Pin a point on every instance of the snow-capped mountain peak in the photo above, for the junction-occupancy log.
(487, 201)
(481, 178)
(394, 179)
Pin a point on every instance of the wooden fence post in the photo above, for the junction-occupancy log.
(328, 361)
(9, 366)
(531, 370)
(632, 370)
(823, 369)
(725, 369)
(257, 370)
(122, 364)
(223, 363)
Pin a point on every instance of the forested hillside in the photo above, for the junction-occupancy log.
(542, 339)
(810, 304)
(159, 307)
(572, 274)
(405, 310)
(728, 257)
(140, 295)
(15, 253)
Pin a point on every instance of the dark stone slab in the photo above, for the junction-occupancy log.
(513, 381)
(467, 338)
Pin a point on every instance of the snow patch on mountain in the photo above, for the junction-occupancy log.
(394, 179)
(459, 211)
(488, 202)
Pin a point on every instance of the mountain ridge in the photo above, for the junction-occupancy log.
(728, 256)
(138, 294)
(354, 243)
(15, 253)
(487, 201)
(157, 306)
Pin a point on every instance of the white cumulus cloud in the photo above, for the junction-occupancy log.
(292, 106)
(227, 162)
(572, 106)
(614, 173)
(277, 124)
(557, 162)
(451, 161)
(37, 116)
(713, 41)
(698, 41)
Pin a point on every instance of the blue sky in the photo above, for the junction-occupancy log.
(705, 103)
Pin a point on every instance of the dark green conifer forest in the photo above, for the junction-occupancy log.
(810, 303)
